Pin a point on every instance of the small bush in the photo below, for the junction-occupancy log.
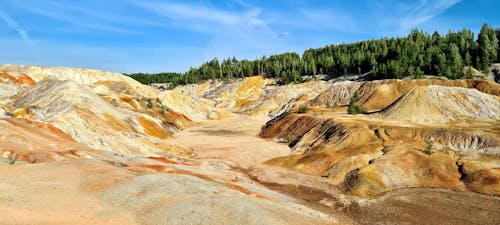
(354, 107)
(12, 159)
(429, 148)
(303, 109)
(149, 103)
(163, 109)
(289, 139)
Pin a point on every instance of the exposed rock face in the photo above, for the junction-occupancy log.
(252, 95)
(80, 76)
(370, 154)
(102, 110)
(30, 141)
(92, 121)
(198, 109)
(105, 141)
(379, 94)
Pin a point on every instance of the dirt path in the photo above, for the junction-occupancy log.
(233, 140)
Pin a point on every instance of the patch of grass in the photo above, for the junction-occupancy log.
(303, 109)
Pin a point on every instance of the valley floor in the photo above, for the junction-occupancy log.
(113, 190)
(234, 141)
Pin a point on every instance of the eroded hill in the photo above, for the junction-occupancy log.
(247, 151)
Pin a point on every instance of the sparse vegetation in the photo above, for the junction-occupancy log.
(429, 148)
(12, 158)
(303, 109)
(149, 103)
(163, 109)
(289, 139)
(354, 107)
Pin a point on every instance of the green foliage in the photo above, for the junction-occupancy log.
(354, 107)
(487, 48)
(289, 139)
(11, 159)
(417, 54)
(163, 109)
(429, 148)
(149, 103)
(303, 109)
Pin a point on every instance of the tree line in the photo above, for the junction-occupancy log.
(417, 54)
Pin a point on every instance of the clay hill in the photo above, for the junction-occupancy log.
(83, 146)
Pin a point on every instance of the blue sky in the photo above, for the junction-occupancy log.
(156, 36)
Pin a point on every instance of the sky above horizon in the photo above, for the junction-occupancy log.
(170, 36)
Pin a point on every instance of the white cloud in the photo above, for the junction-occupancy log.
(240, 31)
(196, 16)
(14, 25)
(284, 34)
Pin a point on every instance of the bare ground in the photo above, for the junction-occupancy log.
(235, 140)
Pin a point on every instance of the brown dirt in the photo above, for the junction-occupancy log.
(232, 140)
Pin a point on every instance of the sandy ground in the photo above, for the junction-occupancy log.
(51, 193)
(104, 191)
(115, 190)
(233, 140)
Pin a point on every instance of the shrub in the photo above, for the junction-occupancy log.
(303, 109)
(354, 107)
(429, 148)
(12, 159)
(163, 109)
(150, 103)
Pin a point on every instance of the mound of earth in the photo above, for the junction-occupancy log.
(80, 76)
(437, 104)
(254, 96)
(366, 157)
(379, 94)
(92, 121)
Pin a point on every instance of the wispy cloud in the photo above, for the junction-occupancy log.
(424, 11)
(14, 25)
(241, 30)
(196, 13)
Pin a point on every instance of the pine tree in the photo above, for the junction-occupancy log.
(455, 61)
(497, 34)
(485, 48)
